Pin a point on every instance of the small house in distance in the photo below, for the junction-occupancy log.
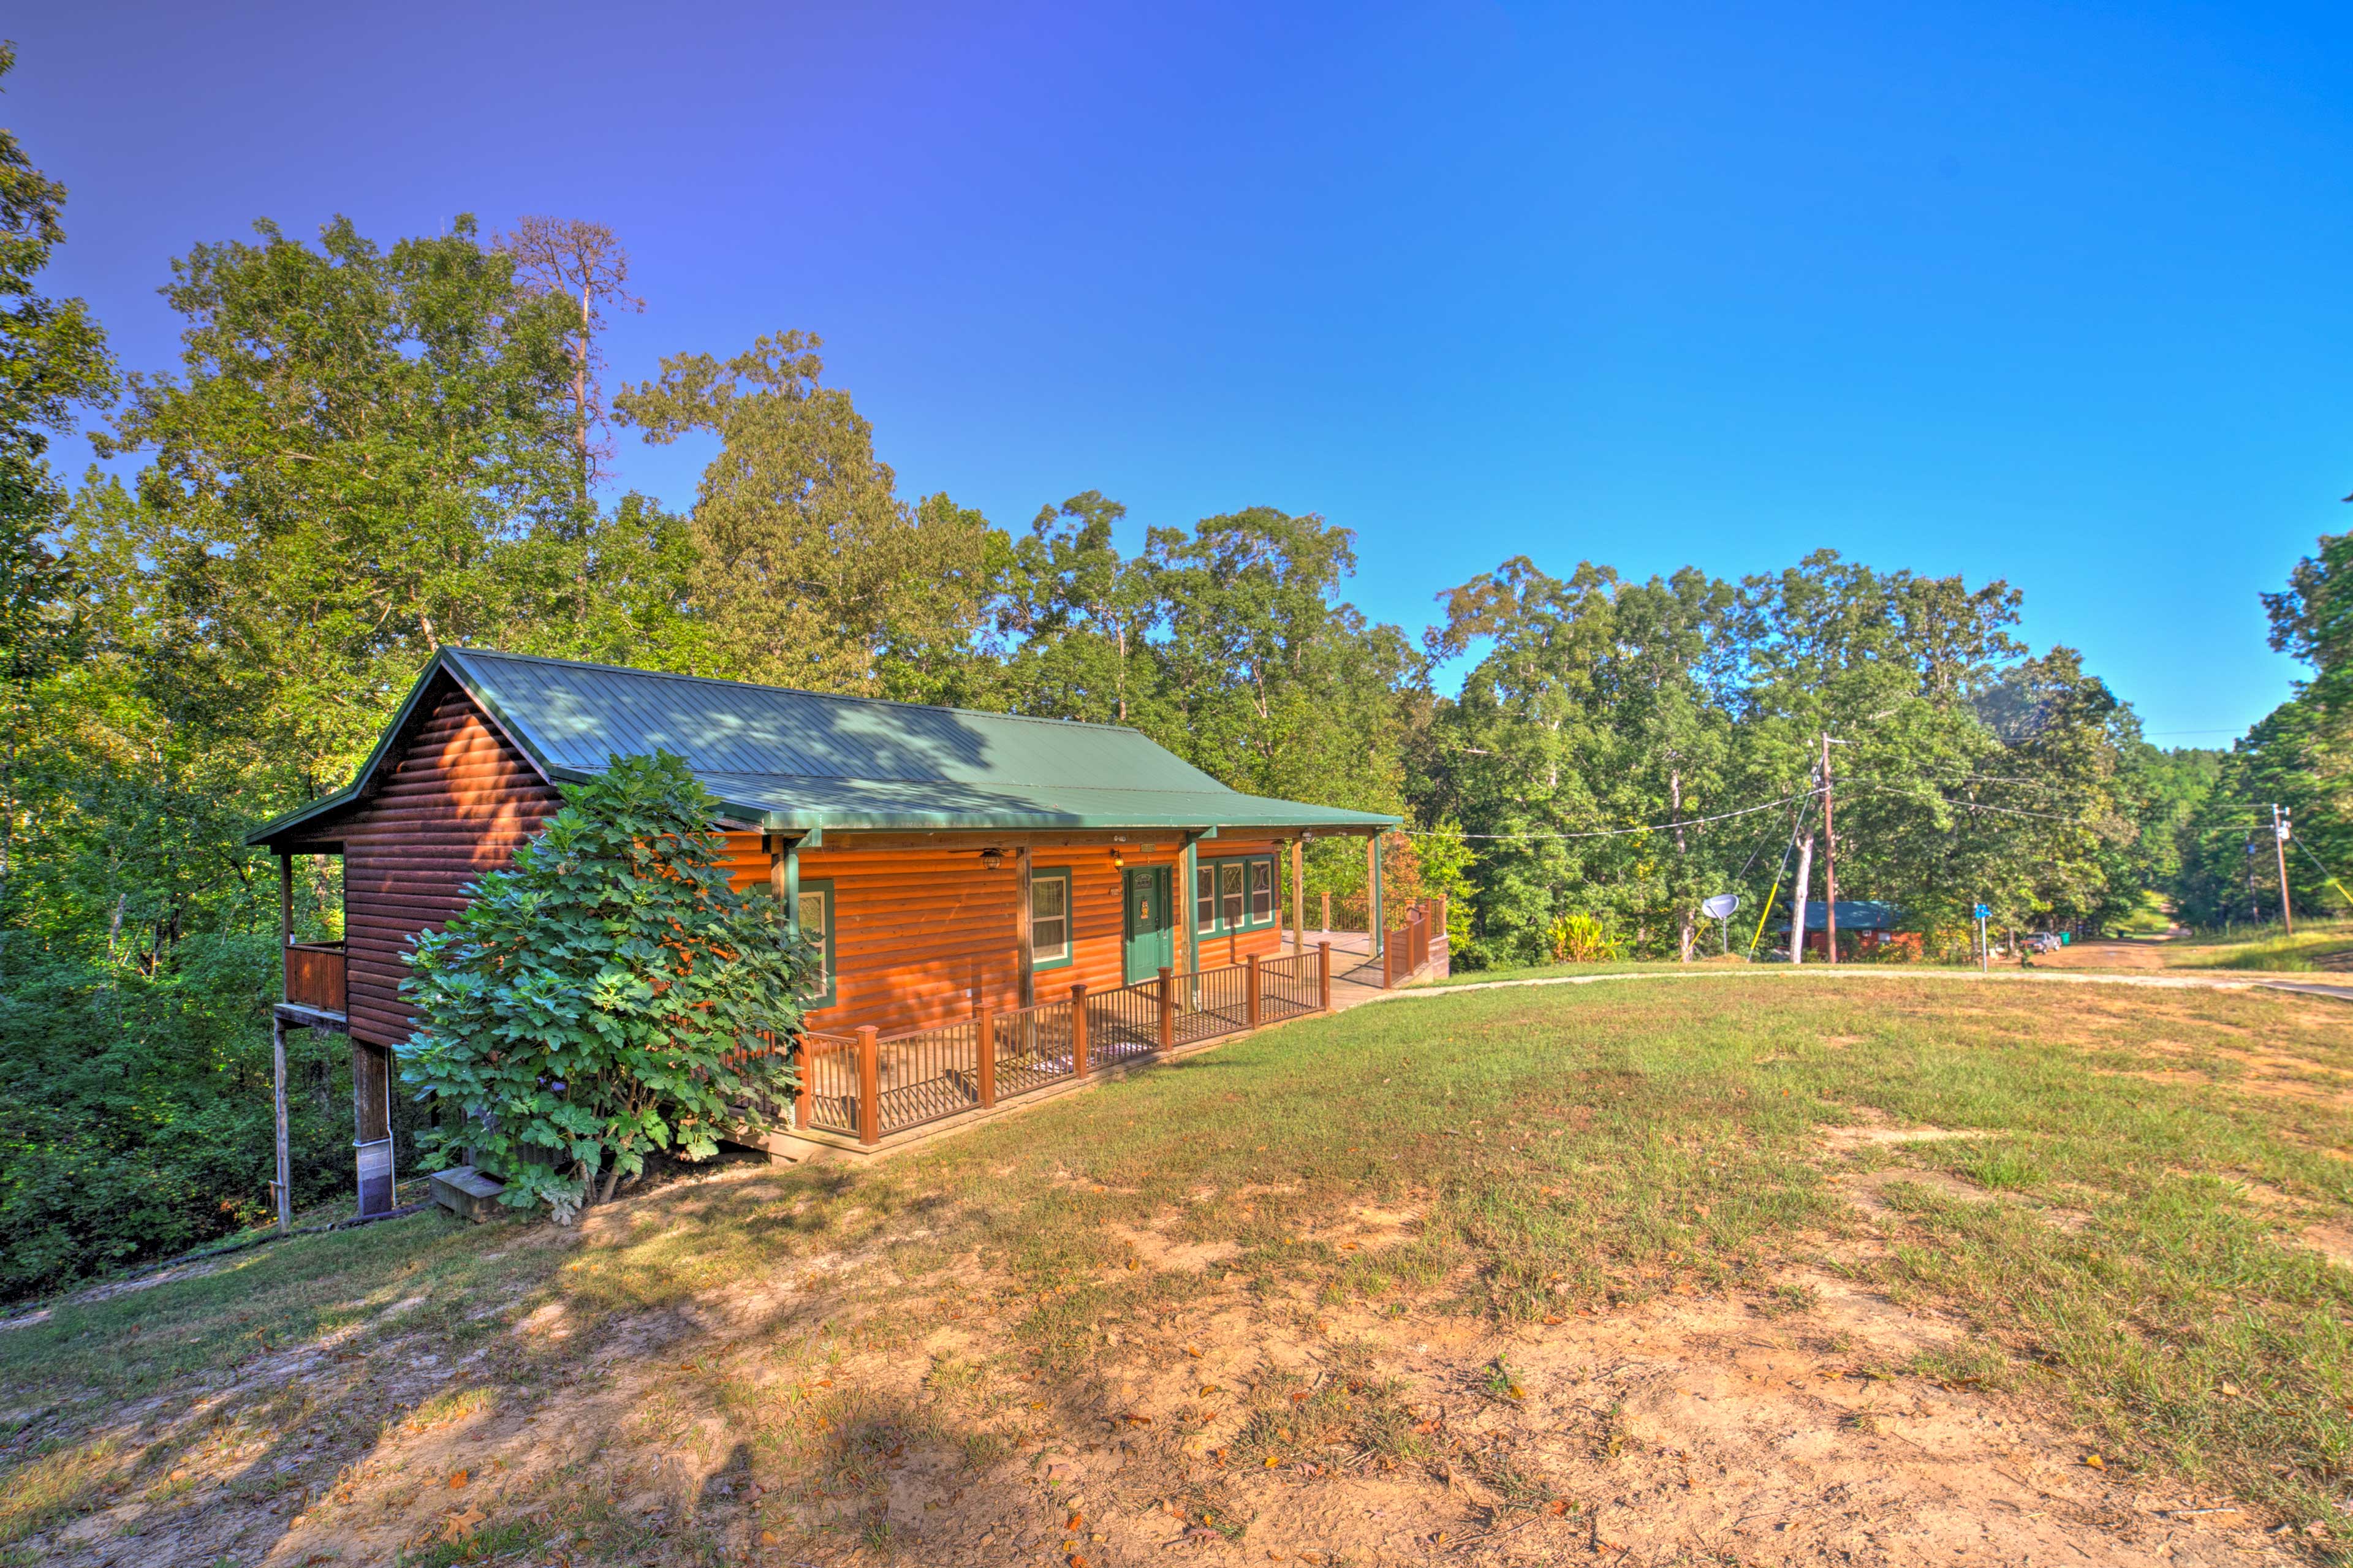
(951, 866)
(1872, 923)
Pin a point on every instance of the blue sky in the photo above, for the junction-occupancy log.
(2056, 293)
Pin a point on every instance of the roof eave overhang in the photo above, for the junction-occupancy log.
(1038, 822)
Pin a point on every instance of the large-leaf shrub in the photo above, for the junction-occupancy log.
(609, 995)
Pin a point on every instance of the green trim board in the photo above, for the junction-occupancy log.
(815, 895)
(782, 759)
(1233, 893)
(1055, 882)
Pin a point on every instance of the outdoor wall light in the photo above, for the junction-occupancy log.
(1119, 860)
(990, 860)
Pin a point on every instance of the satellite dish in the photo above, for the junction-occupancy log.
(1721, 907)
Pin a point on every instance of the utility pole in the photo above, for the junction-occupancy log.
(2279, 846)
(1829, 863)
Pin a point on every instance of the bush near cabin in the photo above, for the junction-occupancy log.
(610, 995)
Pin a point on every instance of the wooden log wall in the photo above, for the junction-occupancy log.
(452, 802)
(924, 936)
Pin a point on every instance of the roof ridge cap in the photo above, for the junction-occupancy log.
(1216, 788)
(462, 650)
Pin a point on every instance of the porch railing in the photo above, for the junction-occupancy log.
(1416, 945)
(314, 976)
(869, 1085)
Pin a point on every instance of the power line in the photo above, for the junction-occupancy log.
(1617, 832)
(1883, 787)
(2324, 869)
(1877, 785)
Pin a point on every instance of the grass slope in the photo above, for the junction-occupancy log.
(2121, 1239)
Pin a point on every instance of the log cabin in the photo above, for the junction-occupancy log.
(1000, 900)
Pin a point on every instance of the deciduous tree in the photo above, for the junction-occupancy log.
(814, 572)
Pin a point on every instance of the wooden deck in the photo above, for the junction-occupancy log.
(866, 1094)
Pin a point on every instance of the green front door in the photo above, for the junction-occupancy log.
(1151, 923)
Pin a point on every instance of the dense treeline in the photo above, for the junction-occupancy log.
(2298, 757)
(368, 450)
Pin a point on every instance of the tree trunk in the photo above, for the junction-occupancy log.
(1797, 907)
(1683, 932)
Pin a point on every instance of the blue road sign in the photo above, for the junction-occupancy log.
(1984, 913)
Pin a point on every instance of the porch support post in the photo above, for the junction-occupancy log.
(1167, 1007)
(285, 1182)
(1323, 975)
(1251, 963)
(285, 915)
(1028, 956)
(985, 1043)
(784, 876)
(1298, 897)
(1187, 870)
(1079, 1029)
(870, 1086)
(1373, 893)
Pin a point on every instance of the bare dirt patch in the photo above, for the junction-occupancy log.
(1867, 1190)
(1847, 1140)
(1245, 1428)
(1151, 1247)
(2334, 1241)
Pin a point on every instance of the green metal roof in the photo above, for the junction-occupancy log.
(793, 760)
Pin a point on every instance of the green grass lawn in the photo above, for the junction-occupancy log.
(2320, 946)
(2119, 1237)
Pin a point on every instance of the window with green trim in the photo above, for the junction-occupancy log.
(814, 915)
(1233, 895)
(1050, 917)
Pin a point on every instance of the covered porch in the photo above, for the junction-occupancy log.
(867, 1091)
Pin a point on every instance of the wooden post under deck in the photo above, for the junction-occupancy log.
(1251, 963)
(285, 1182)
(1323, 973)
(1079, 1029)
(277, 1045)
(1167, 1007)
